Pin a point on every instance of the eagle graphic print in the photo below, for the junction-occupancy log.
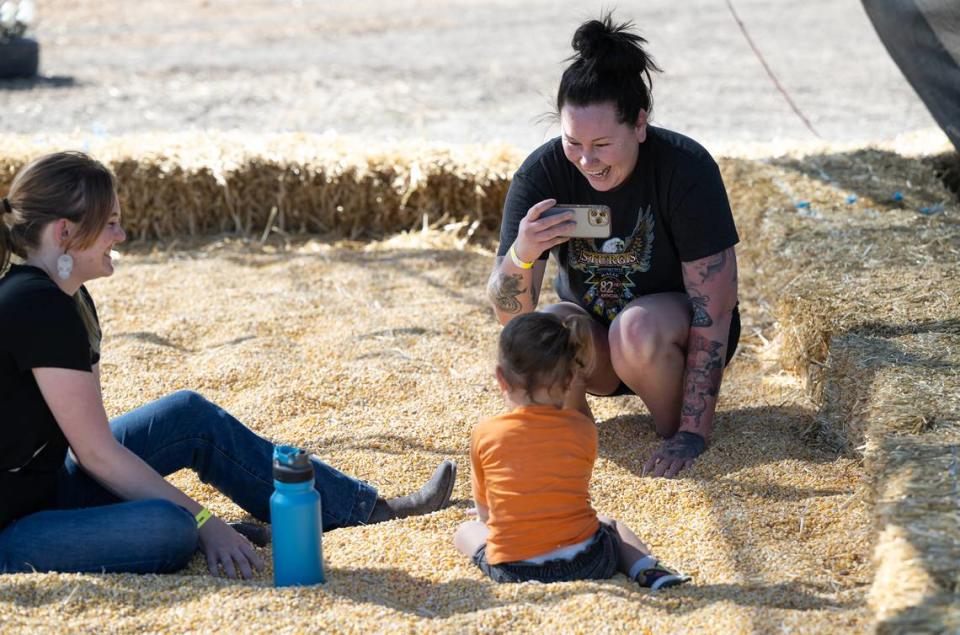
(608, 272)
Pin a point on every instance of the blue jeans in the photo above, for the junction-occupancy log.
(92, 530)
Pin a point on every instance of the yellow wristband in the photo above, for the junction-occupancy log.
(202, 517)
(516, 259)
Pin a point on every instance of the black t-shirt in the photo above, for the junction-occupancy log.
(673, 208)
(40, 327)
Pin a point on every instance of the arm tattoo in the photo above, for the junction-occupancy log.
(701, 317)
(704, 371)
(712, 265)
(503, 291)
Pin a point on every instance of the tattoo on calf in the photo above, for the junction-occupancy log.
(504, 290)
(704, 372)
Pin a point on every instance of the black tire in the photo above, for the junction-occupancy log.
(19, 57)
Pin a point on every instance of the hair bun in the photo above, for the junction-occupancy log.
(593, 39)
(611, 49)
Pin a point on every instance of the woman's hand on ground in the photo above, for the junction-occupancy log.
(537, 235)
(675, 454)
(222, 545)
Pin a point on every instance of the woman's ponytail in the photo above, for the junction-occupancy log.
(582, 352)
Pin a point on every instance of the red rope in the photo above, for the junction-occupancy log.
(766, 67)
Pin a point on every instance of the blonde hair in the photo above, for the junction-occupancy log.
(70, 185)
(541, 350)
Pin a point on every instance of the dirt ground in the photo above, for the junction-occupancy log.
(454, 71)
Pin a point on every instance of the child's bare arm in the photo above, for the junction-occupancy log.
(482, 513)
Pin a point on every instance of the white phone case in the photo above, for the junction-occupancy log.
(593, 221)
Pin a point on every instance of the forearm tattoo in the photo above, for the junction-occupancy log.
(701, 272)
(704, 371)
(685, 445)
(699, 302)
(504, 290)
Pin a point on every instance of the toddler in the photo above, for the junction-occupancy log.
(532, 467)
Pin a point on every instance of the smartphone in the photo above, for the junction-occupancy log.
(593, 221)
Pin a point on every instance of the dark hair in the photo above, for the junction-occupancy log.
(610, 65)
(69, 185)
(540, 350)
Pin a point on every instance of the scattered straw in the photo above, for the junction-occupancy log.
(378, 354)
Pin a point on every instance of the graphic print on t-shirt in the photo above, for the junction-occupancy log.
(608, 273)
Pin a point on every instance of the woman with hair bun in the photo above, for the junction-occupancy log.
(79, 493)
(662, 290)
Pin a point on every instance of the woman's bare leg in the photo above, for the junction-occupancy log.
(648, 342)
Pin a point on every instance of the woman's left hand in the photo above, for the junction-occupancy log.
(675, 454)
(222, 545)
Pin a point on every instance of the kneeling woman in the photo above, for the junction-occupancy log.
(105, 505)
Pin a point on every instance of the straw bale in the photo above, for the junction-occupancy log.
(821, 265)
(201, 184)
(856, 255)
(909, 399)
(897, 385)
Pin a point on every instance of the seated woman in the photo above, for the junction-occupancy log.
(104, 505)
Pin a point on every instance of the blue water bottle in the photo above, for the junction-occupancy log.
(296, 520)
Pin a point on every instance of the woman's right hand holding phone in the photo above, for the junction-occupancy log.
(537, 235)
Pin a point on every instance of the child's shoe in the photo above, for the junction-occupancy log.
(648, 572)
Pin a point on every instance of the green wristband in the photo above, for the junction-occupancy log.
(202, 517)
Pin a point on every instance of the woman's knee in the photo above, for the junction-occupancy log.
(637, 336)
(170, 534)
(189, 400)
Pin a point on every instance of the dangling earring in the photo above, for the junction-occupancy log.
(64, 266)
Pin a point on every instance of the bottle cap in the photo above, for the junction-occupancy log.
(291, 465)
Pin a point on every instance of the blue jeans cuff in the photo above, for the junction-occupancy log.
(363, 505)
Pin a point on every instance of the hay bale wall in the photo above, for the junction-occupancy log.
(863, 255)
(902, 396)
(186, 185)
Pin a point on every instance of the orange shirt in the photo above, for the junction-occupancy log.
(531, 469)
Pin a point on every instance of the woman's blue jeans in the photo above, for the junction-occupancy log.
(92, 530)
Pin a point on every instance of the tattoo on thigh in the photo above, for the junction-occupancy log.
(704, 372)
(504, 290)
